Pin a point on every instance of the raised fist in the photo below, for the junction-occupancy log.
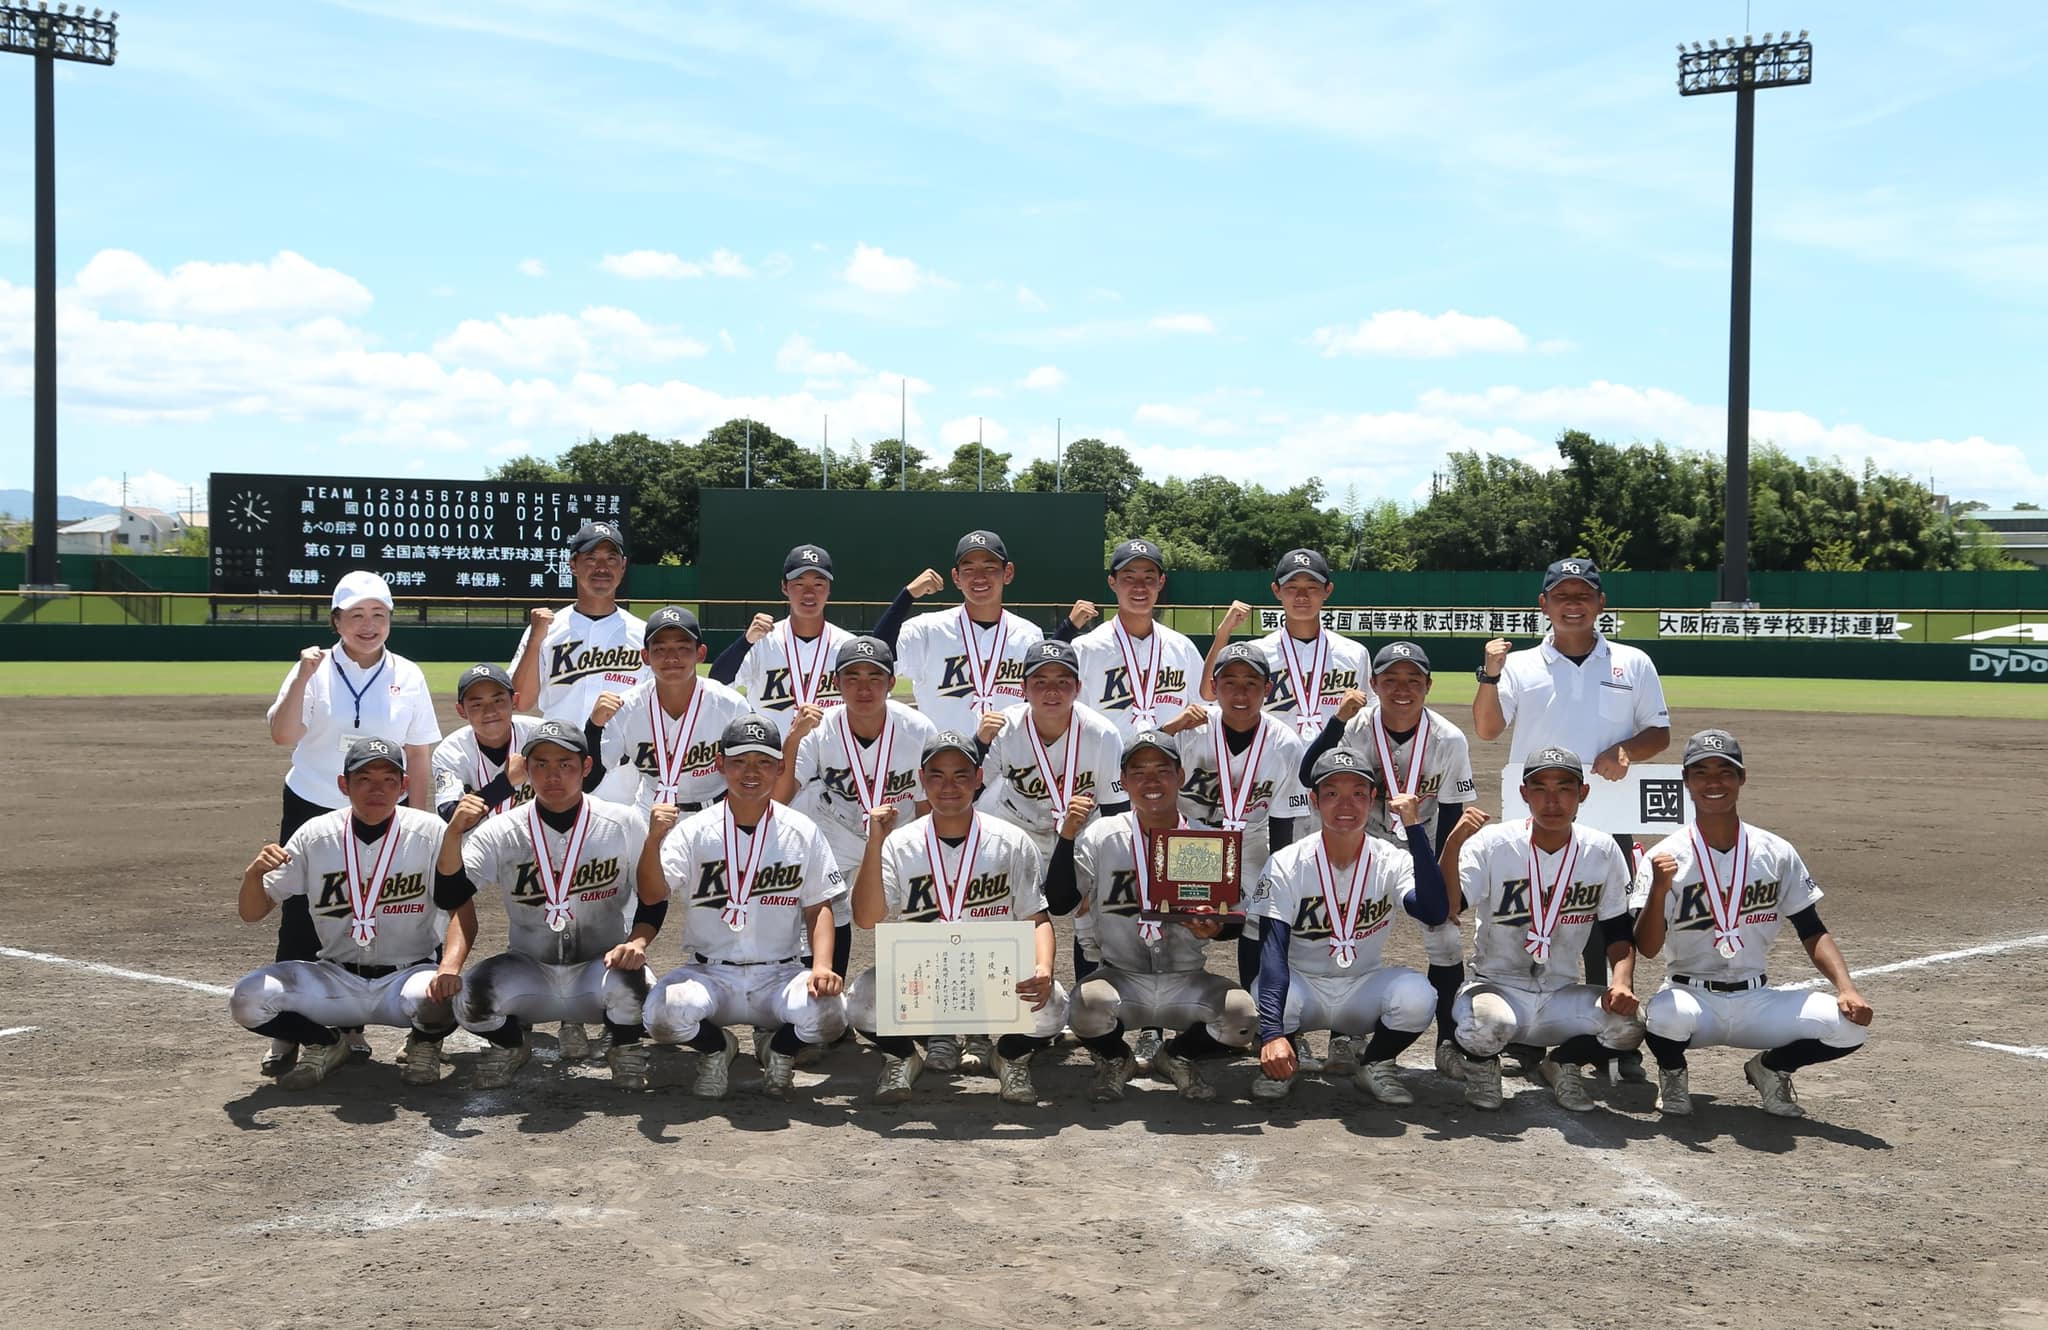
(1351, 704)
(662, 819)
(882, 820)
(1234, 618)
(1497, 654)
(1083, 612)
(468, 811)
(1192, 716)
(1407, 808)
(539, 619)
(1078, 809)
(606, 706)
(1663, 868)
(808, 717)
(990, 725)
(925, 583)
(269, 859)
(309, 661)
(758, 627)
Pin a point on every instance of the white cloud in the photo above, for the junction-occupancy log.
(648, 264)
(1183, 323)
(875, 269)
(1411, 333)
(725, 339)
(1183, 417)
(289, 286)
(984, 390)
(798, 356)
(550, 341)
(1044, 379)
(532, 268)
(960, 431)
(1030, 301)
(147, 489)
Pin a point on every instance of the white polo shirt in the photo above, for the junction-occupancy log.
(1551, 702)
(344, 702)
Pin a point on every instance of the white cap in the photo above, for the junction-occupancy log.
(359, 586)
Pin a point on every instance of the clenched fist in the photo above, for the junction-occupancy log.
(990, 726)
(1497, 654)
(1407, 808)
(882, 820)
(269, 859)
(468, 811)
(1078, 809)
(1352, 703)
(808, 717)
(1192, 716)
(539, 620)
(662, 819)
(925, 583)
(1082, 613)
(606, 706)
(1234, 618)
(309, 661)
(758, 627)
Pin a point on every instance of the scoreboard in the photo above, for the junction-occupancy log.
(297, 535)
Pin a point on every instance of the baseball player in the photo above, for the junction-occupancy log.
(483, 757)
(1152, 971)
(957, 863)
(578, 919)
(1415, 751)
(1326, 905)
(664, 732)
(1717, 894)
(841, 765)
(1136, 671)
(757, 881)
(367, 870)
(1311, 666)
(1048, 750)
(1537, 886)
(568, 657)
(785, 664)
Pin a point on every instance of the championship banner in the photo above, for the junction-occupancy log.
(1861, 626)
(1436, 623)
(957, 978)
(1649, 801)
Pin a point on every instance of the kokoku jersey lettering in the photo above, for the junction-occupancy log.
(1290, 890)
(1445, 762)
(947, 671)
(1339, 662)
(1005, 880)
(408, 927)
(1137, 683)
(834, 782)
(461, 766)
(1106, 873)
(1017, 785)
(790, 872)
(581, 657)
(1775, 886)
(783, 671)
(343, 702)
(603, 884)
(687, 744)
(1614, 694)
(1494, 872)
(1273, 790)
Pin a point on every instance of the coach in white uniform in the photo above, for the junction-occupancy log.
(1135, 671)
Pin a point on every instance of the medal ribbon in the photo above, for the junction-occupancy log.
(1308, 687)
(363, 894)
(555, 882)
(869, 790)
(1385, 745)
(1059, 794)
(354, 692)
(1543, 914)
(671, 752)
(739, 880)
(952, 893)
(1236, 791)
(1141, 854)
(982, 671)
(1726, 904)
(805, 687)
(1344, 918)
(1144, 683)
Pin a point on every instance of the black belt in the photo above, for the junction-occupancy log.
(1722, 985)
(702, 959)
(377, 971)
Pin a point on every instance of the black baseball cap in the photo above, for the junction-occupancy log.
(1342, 761)
(1553, 759)
(673, 616)
(865, 651)
(1133, 550)
(592, 534)
(1713, 743)
(560, 733)
(807, 559)
(1051, 651)
(482, 673)
(1159, 741)
(1399, 653)
(1296, 562)
(367, 752)
(948, 741)
(1242, 653)
(1564, 570)
(988, 542)
(751, 734)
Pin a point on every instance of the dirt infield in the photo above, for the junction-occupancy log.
(150, 1174)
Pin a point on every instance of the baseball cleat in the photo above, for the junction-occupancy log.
(1014, 1080)
(1343, 1059)
(1110, 1076)
(898, 1076)
(1566, 1085)
(1674, 1091)
(629, 1065)
(714, 1070)
(1146, 1048)
(283, 1053)
(1521, 1060)
(495, 1066)
(315, 1061)
(977, 1056)
(1482, 1082)
(1629, 1067)
(1774, 1088)
(1449, 1064)
(573, 1042)
(1378, 1080)
(942, 1054)
(778, 1074)
(358, 1045)
(419, 1063)
(1306, 1062)
(1266, 1090)
(1185, 1075)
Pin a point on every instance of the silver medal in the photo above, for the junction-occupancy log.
(559, 923)
(1726, 946)
(737, 926)
(1343, 960)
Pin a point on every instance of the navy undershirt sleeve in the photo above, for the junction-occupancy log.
(1447, 816)
(1429, 900)
(891, 622)
(452, 890)
(497, 792)
(651, 915)
(1062, 888)
(727, 667)
(1621, 928)
(593, 739)
(1066, 630)
(1273, 978)
(1280, 833)
(1333, 730)
(1807, 921)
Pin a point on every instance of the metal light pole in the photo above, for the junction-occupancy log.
(980, 458)
(49, 38)
(903, 434)
(747, 472)
(825, 456)
(1785, 62)
(1059, 456)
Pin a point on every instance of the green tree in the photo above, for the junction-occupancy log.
(884, 464)
(1088, 466)
(529, 470)
(977, 467)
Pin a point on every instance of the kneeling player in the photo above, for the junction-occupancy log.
(1325, 906)
(578, 918)
(1152, 971)
(1539, 886)
(955, 864)
(367, 871)
(1717, 893)
(758, 883)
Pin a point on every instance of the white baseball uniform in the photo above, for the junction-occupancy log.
(1021, 772)
(1138, 683)
(1301, 888)
(1265, 783)
(671, 757)
(580, 658)
(1325, 667)
(959, 669)
(839, 779)
(344, 702)
(461, 766)
(783, 672)
(1437, 759)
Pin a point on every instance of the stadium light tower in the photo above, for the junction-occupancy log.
(49, 38)
(1726, 67)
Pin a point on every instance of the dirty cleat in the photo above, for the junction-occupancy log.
(1014, 1080)
(420, 1062)
(978, 1056)
(573, 1042)
(283, 1053)
(1185, 1075)
(1378, 1080)
(1110, 1076)
(1449, 1063)
(1343, 1059)
(1266, 1090)
(778, 1074)
(1482, 1082)
(1674, 1091)
(1146, 1048)
(1306, 1063)
(496, 1066)
(714, 1070)
(1774, 1087)
(315, 1061)
(942, 1054)
(1566, 1085)
(629, 1065)
(359, 1049)
(898, 1076)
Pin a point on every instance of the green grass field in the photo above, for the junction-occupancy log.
(1886, 697)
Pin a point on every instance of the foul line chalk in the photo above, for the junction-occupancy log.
(19, 1029)
(2041, 1053)
(114, 971)
(1938, 958)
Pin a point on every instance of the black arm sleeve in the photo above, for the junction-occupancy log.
(727, 667)
(1430, 901)
(1280, 833)
(452, 890)
(651, 915)
(1447, 816)
(1333, 730)
(1807, 921)
(1273, 978)
(891, 622)
(1066, 630)
(497, 792)
(1117, 809)
(1621, 928)
(593, 739)
(1232, 929)
(1062, 888)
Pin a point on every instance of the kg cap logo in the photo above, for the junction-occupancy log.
(810, 556)
(864, 649)
(977, 539)
(1343, 760)
(1400, 649)
(1301, 560)
(1572, 566)
(378, 748)
(1712, 741)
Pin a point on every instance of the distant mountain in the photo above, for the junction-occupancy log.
(21, 505)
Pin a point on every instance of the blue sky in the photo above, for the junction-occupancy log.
(418, 236)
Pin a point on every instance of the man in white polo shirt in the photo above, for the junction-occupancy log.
(1578, 691)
